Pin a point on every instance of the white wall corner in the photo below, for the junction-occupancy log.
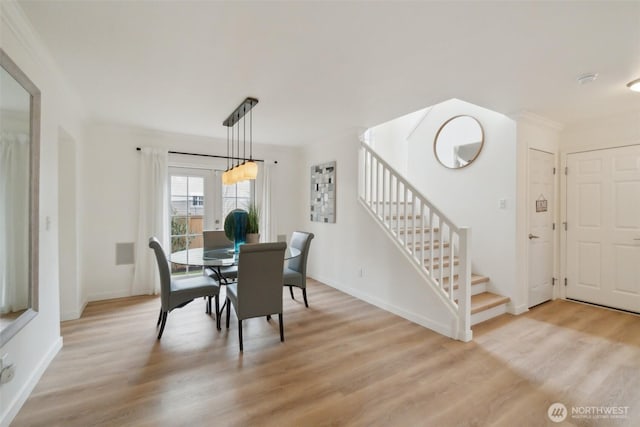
(18, 400)
(517, 309)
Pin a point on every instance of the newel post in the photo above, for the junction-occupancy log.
(464, 285)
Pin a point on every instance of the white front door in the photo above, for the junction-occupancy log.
(541, 206)
(603, 227)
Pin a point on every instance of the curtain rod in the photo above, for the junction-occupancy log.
(212, 155)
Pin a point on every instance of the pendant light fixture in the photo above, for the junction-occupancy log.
(248, 169)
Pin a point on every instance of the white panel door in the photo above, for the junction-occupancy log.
(540, 206)
(603, 235)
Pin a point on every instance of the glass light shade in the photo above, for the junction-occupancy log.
(225, 177)
(235, 174)
(634, 85)
(250, 170)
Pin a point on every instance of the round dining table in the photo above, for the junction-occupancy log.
(216, 258)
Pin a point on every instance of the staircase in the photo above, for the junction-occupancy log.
(438, 249)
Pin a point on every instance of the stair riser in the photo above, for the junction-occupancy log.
(485, 315)
(475, 289)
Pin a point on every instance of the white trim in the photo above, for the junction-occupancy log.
(448, 330)
(516, 310)
(537, 120)
(14, 407)
(109, 295)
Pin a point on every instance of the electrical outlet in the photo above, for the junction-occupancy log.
(503, 203)
(7, 370)
(7, 374)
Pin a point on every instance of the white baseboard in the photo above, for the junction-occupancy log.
(516, 310)
(70, 315)
(108, 295)
(434, 325)
(14, 407)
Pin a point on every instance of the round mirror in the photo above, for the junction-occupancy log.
(458, 142)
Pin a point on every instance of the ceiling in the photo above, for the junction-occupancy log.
(320, 68)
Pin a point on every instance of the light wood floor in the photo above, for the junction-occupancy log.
(344, 362)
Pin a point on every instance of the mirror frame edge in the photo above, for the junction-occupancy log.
(34, 197)
(435, 141)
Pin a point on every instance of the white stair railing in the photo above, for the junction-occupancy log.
(437, 248)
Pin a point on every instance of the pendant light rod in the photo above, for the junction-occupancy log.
(239, 112)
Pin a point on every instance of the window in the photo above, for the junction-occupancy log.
(189, 210)
(199, 201)
(244, 193)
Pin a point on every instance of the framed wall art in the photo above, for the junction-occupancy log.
(323, 192)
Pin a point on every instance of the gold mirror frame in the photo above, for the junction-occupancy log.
(453, 139)
(34, 179)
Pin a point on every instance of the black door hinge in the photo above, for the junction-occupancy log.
(565, 282)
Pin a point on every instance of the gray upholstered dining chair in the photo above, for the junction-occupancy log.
(258, 291)
(295, 273)
(217, 239)
(178, 293)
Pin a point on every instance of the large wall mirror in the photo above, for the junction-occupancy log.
(19, 178)
(458, 142)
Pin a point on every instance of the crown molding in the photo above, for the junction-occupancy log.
(535, 119)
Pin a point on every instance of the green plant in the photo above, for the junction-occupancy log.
(253, 219)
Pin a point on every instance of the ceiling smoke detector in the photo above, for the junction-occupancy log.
(587, 78)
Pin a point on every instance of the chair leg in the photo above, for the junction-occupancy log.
(228, 312)
(281, 327)
(240, 333)
(164, 321)
(217, 302)
(159, 318)
(304, 295)
(208, 305)
(291, 292)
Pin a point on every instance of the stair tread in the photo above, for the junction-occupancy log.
(436, 262)
(418, 230)
(427, 246)
(476, 279)
(486, 300)
(410, 216)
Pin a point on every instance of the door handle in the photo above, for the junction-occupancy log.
(531, 236)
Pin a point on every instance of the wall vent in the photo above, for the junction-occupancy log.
(124, 253)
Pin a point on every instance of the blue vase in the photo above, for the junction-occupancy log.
(240, 228)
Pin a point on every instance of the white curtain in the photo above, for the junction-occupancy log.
(152, 219)
(14, 222)
(268, 226)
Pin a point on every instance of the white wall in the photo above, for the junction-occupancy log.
(471, 196)
(391, 139)
(37, 343)
(605, 132)
(110, 188)
(355, 242)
